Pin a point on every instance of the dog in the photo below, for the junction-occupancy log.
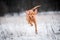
(31, 16)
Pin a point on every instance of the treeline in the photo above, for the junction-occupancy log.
(9, 6)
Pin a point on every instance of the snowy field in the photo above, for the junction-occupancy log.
(16, 27)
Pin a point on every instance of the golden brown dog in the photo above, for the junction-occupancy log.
(31, 16)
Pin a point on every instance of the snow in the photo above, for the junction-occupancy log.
(16, 27)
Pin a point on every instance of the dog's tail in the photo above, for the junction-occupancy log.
(36, 7)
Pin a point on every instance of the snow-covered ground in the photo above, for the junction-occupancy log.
(16, 27)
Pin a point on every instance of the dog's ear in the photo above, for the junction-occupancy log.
(27, 12)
